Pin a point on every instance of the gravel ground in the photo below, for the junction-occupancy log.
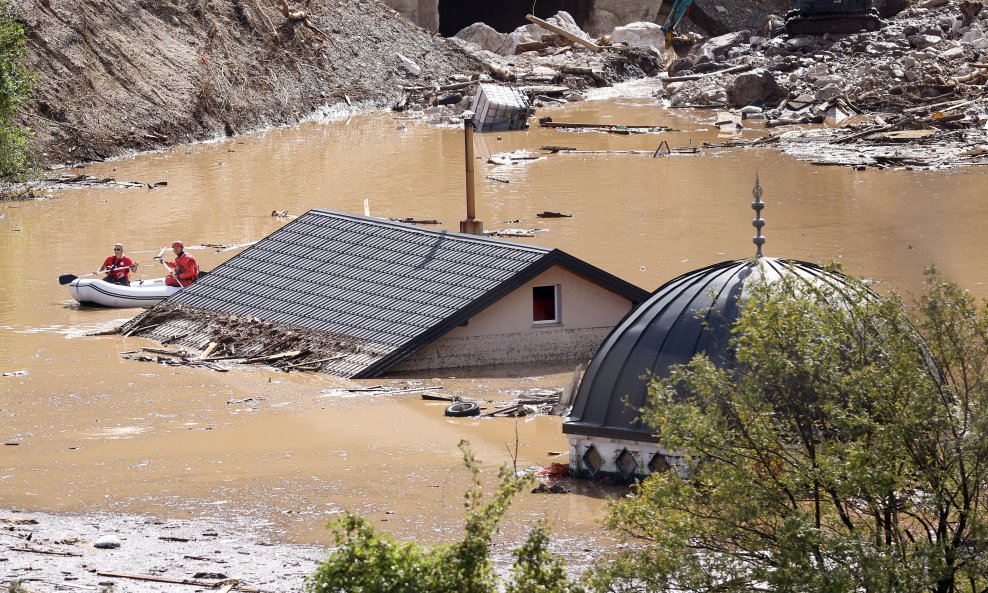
(48, 552)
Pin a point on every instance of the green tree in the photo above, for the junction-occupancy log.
(364, 561)
(845, 450)
(16, 84)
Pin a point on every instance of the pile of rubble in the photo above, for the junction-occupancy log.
(552, 61)
(908, 95)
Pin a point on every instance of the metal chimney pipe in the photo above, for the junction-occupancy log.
(468, 147)
(471, 225)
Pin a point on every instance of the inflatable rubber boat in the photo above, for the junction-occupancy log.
(141, 293)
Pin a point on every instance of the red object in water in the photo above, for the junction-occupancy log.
(554, 470)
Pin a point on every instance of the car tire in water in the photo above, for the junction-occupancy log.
(463, 409)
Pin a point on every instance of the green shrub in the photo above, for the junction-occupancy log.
(364, 561)
(16, 84)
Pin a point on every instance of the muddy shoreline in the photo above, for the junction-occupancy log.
(62, 552)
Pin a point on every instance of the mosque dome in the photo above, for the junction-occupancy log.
(688, 315)
(691, 314)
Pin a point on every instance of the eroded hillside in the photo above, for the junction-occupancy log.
(122, 75)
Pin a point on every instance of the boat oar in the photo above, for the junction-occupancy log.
(171, 272)
(67, 278)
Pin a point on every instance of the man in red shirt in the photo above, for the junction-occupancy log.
(118, 267)
(186, 270)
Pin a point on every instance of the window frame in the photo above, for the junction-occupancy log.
(557, 305)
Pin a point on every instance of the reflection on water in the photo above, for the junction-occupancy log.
(285, 451)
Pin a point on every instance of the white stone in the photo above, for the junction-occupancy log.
(952, 53)
(564, 20)
(640, 34)
(107, 542)
(484, 36)
(412, 68)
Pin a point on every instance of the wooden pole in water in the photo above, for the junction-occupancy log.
(471, 225)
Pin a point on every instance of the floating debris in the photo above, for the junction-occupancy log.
(410, 220)
(514, 232)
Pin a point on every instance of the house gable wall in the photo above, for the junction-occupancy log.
(505, 333)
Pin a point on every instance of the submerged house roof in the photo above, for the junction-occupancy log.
(387, 288)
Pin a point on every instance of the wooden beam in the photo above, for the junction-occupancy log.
(564, 33)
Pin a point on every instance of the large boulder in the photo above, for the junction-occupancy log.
(608, 14)
(719, 46)
(486, 37)
(640, 34)
(757, 84)
(565, 21)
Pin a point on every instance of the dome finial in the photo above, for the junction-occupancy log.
(758, 223)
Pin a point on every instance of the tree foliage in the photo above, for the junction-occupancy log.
(16, 84)
(364, 561)
(845, 450)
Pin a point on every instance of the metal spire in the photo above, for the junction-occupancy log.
(758, 222)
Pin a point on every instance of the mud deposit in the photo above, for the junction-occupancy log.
(57, 553)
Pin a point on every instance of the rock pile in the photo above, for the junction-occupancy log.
(910, 94)
(552, 63)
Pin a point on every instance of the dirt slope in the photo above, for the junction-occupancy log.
(122, 75)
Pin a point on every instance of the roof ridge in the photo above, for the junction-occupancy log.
(410, 228)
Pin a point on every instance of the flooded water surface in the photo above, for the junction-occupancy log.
(87, 430)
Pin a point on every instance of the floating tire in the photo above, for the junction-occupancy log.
(463, 409)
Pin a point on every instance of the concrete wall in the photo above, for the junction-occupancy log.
(604, 16)
(424, 13)
(505, 333)
(619, 457)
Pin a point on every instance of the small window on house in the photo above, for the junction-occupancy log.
(545, 304)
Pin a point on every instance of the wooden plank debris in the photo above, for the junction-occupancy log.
(174, 581)
(410, 220)
(558, 124)
(564, 33)
(731, 70)
(46, 552)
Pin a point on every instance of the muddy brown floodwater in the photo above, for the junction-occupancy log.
(87, 430)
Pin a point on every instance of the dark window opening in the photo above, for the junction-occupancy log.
(505, 16)
(544, 303)
(592, 460)
(626, 464)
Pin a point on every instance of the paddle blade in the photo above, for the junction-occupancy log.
(66, 278)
